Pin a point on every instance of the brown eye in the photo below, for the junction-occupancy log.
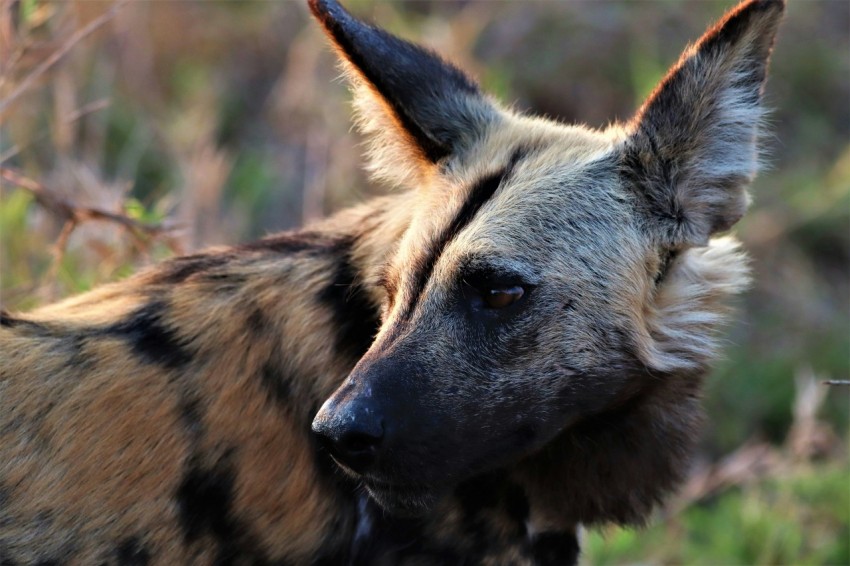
(501, 298)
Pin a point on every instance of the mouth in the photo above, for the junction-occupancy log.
(401, 499)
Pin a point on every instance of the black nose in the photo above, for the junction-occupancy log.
(351, 433)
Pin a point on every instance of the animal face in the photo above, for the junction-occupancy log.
(549, 273)
(512, 324)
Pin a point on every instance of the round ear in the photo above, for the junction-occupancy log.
(692, 148)
(417, 108)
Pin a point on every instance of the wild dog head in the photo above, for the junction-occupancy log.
(549, 272)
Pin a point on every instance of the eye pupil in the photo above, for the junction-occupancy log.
(501, 298)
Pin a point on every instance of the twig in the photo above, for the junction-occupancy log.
(81, 112)
(751, 461)
(78, 36)
(70, 212)
(59, 249)
(86, 109)
(10, 63)
(836, 382)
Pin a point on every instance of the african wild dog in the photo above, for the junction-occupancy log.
(509, 348)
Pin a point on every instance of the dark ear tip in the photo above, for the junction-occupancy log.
(325, 10)
(770, 4)
(759, 16)
(775, 6)
(318, 7)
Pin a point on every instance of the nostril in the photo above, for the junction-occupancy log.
(356, 442)
(324, 439)
(356, 448)
(351, 432)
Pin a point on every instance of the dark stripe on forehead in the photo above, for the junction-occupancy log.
(481, 192)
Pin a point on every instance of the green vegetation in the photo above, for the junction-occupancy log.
(797, 517)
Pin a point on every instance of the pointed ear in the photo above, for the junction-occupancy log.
(416, 108)
(692, 148)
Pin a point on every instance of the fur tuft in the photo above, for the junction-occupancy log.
(691, 304)
(391, 155)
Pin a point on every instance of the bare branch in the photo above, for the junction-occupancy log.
(77, 37)
(71, 212)
(58, 254)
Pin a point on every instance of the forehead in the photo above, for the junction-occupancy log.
(537, 199)
(562, 200)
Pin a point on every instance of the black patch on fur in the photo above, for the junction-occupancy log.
(43, 522)
(204, 501)
(485, 498)
(23, 325)
(151, 338)
(555, 549)
(191, 415)
(131, 552)
(337, 555)
(275, 383)
(180, 269)
(288, 243)
(355, 316)
(257, 321)
(398, 70)
(480, 193)
(478, 494)
(70, 344)
(516, 506)
(7, 320)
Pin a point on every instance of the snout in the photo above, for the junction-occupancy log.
(352, 431)
(385, 424)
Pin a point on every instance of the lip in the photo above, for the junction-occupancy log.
(399, 498)
(383, 485)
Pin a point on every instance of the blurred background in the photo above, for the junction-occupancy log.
(133, 131)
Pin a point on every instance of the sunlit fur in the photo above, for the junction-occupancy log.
(166, 418)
